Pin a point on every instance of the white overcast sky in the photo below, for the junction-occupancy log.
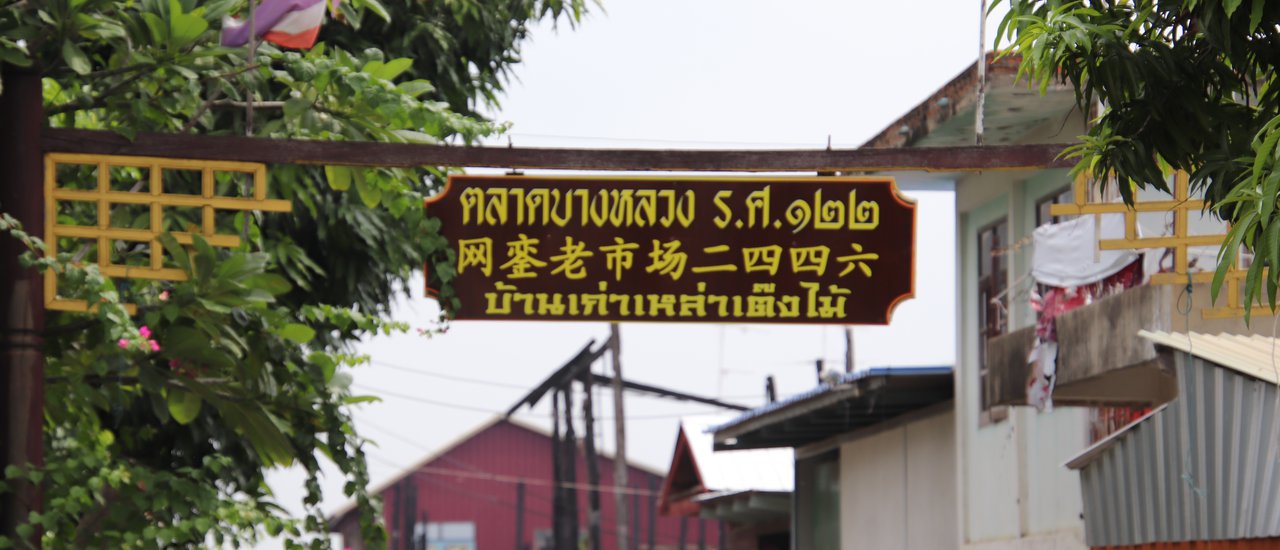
(685, 74)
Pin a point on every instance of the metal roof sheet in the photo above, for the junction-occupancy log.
(737, 471)
(855, 400)
(1250, 355)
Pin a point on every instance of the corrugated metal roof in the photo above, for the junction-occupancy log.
(1202, 467)
(735, 471)
(1251, 355)
(855, 400)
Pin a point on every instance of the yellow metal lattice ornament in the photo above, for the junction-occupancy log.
(1181, 205)
(154, 196)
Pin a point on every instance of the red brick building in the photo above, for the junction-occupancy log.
(467, 497)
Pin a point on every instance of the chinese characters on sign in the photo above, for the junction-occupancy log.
(754, 250)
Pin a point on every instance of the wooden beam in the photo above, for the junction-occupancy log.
(349, 153)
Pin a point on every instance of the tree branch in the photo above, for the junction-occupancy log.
(97, 102)
(91, 522)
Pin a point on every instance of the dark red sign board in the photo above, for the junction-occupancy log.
(837, 250)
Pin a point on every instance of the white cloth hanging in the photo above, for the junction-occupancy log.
(1066, 254)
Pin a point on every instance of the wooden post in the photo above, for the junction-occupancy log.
(593, 465)
(702, 534)
(569, 462)
(520, 516)
(848, 349)
(21, 296)
(620, 431)
(557, 495)
(684, 529)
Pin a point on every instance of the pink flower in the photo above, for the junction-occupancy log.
(164, 296)
(155, 346)
(123, 343)
(144, 331)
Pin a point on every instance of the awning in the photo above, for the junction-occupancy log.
(856, 400)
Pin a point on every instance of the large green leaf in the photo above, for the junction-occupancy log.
(297, 332)
(184, 406)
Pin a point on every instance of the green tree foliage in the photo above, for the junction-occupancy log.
(1183, 85)
(160, 426)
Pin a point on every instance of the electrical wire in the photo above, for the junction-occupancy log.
(390, 393)
(453, 377)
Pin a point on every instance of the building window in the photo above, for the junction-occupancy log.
(1065, 195)
(447, 535)
(993, 317)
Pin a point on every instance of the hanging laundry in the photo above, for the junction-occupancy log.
(285, 23)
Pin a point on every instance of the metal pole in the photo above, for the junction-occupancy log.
(620, 431)
(978, 129)
(21, 295)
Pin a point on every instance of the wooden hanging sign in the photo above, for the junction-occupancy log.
(837, 250)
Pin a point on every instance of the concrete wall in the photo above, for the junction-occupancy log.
(897, 487)
(1014, 492)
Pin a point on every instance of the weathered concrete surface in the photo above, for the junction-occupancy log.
(1007, 368)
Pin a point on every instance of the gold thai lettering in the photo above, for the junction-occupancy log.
(597, 209)
(758, 208)
(810, 259)
(721, 302)
(678, 209)
(646, 207)
(830, 306)
(550, 304)
(521, 260)
(762, 258)
(537, 208)
(863, 215)
(666, 259)
(762, 302)
(623, 212)
(726, 214)
(858, 261)
(798, 215)
(517, 197)
(662, 304)
(560, 217)
(623, 302)
(833, 214)
(475, 253)
(495, 207)
(828, 214)
(570, 261)
(498, 302)
(596, 304)
(619, 256)
(472, 201)
(694, 305)
(717, 249)
(527, 298)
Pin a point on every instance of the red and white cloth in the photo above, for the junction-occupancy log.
(285, 23)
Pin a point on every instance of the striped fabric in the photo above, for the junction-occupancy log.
(286, 23)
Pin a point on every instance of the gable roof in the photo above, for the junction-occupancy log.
(337, 515)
